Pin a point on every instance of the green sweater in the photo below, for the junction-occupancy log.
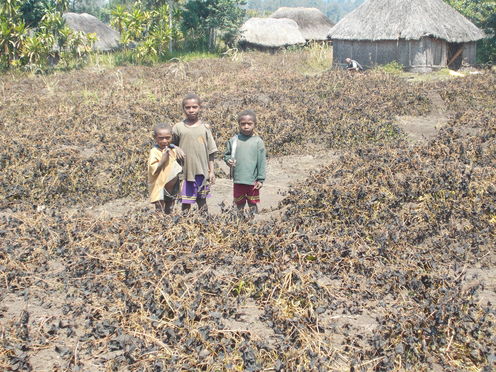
(250, 159)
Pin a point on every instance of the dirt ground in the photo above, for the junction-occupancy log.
(282, 173)
(421, 128)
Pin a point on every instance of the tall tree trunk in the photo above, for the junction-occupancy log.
(170, 26)
(211, 38)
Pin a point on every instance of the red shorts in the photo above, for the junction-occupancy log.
(246, 193)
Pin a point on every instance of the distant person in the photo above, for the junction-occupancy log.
(163, 169)
(246, 156)
(195, 138)
(352, 65)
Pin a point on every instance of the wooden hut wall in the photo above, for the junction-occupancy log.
(418, 53)
(426, 52)
(439, 51)
(366, 53)
(404, 52)
(341, 49)
(386, 52)
(469, 53)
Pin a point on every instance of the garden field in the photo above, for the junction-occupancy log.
(374, 249)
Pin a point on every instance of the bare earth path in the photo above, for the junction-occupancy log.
(422, 128)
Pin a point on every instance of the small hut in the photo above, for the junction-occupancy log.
(270, 33)
(421, 35)
(313, 24)
(107, 38)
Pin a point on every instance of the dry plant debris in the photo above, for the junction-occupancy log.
(367, 269)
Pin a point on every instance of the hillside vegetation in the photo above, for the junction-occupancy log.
(382, 260)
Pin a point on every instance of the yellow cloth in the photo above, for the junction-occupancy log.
(156, 182)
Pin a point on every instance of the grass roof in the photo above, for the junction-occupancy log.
(405, 19)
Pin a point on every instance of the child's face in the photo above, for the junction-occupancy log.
(246, 125)
(163, 138)
(191, 109)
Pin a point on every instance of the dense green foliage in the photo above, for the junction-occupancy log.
(34, 10)
(33, 33)
(47, 41)
(151, 31)
(204, 19)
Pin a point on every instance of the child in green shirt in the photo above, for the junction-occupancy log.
(245, 154)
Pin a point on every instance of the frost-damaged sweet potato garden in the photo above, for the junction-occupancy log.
(382, 260)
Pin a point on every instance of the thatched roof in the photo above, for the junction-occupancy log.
(107, 38)
(313, 24)
(405, 19)
(270, 33)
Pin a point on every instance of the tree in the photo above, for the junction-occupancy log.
(48, 37)
(151, 30)
(204, 19)
(34, 10)
(12, 32)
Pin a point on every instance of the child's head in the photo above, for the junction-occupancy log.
(191, 106)
(163, 135)
(247, 120)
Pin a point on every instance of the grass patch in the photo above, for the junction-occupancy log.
(318, 58)
(127, 57)
(390, 68)
(439, 75)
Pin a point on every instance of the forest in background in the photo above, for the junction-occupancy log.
(333, 9)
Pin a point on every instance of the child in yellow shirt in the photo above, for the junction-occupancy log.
(163, 169)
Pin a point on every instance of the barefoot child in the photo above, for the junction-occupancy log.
(245, 154)
(163, 169)
(195, 138)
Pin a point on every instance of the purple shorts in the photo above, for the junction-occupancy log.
(192, 190)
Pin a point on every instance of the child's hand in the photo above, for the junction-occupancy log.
(231, 162)
(165, 156)
(258, 185)
(180, 153)
(211, 176)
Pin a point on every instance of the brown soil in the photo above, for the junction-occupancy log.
(421, 128)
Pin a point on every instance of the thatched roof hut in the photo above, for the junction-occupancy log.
(420, 34)
(270, 33)
(313, 24)
(107, 38)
